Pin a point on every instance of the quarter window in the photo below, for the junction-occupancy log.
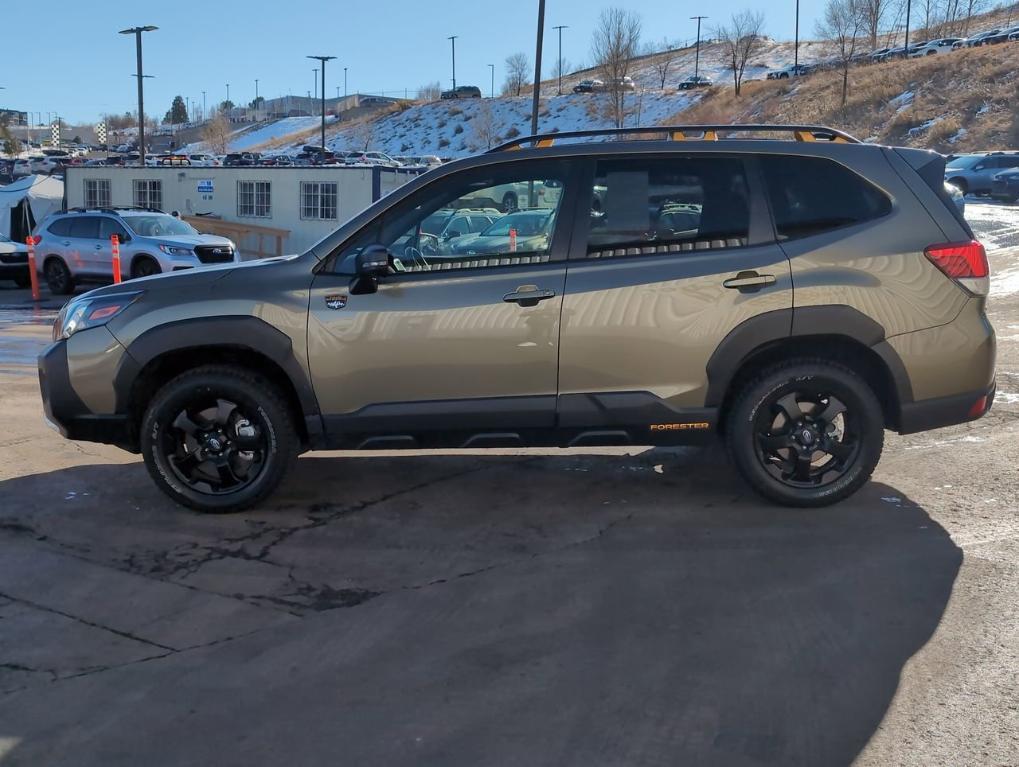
(97, 193)
(650, 207)
(318, 200)
(254, 199)
(810, 195)
(148, 193)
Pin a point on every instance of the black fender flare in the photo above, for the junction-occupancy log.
(248, 333)
(836, 321)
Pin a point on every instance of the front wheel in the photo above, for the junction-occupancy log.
(218, 438)
(143, 266)
(806, 432)
(58, 276)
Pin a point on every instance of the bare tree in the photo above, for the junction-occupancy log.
(740, 39)
(662, 59)
(363, 133)
(615, 44)
(483, 129)
(430, 91)
(216, 134)
(518, 68)
(874, 12)
(840, 24)
(563, 70)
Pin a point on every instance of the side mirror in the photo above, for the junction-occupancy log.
(373, 261)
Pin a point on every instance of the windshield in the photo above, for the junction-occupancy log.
(158, 225)
(526, 224)
(965, 161)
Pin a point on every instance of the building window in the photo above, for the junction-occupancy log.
(318, 200)
(97, 193)
(148, 193)
(253, 199)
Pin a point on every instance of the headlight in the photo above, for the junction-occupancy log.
(87, 313)
(176, 250)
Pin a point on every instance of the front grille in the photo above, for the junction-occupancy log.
(214, 254)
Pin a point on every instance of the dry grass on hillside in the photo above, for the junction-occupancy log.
(961, 101)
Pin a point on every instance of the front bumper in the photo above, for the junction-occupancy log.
(65, 410)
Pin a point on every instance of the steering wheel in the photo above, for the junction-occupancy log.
(411, 252)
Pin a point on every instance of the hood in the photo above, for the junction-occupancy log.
(191, 239)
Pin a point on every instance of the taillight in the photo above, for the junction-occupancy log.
(964, 262)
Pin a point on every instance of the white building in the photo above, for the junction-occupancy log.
(266, 211)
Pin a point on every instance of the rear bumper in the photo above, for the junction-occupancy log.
(945, 411)
(65, 410)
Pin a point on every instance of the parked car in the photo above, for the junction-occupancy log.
(695, 81)
(174, 161)
(975, 41)
(623, 84)
(241, 159)
(878, 55)
(203, 160)
(439, 231)
(1002, 36)
(934, 47)
(462, 92)
(589, 86)
(14, 262)
(793, 70)
(370, 158)
(74, 247)
(973, 173)
(43, 164)
(22, 167)
(666, 320)
(1005, 185)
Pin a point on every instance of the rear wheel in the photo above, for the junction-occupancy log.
(143, 266)
(218, 438)
(960, 184)
(807, 432)
(58, 276)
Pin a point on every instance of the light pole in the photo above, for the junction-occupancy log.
(905, 50)
(560, 29)
(452, 41)
(492, 67)
(228, 92)
(323, 60)
(796, 40)
(204, 113)
(256, 93)
(536, 95)
(697, 54)
(344, 82)
(315, 72)
(137, 32)
(187, 110)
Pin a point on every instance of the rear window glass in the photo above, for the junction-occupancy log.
(810, 195)
(60, 227)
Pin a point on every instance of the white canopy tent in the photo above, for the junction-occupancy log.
(26, 202)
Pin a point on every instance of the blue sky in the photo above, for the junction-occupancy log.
(70, 59)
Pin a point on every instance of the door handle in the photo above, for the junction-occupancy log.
(528, 295)
(65, 243)
(99, 247)
(749, 282)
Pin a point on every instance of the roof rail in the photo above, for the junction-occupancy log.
(685, 133)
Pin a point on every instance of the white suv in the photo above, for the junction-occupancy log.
(934, 47)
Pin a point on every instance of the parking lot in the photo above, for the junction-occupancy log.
(610, 606)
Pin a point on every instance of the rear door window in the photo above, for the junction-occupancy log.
(651, 206)
(85, 227)
(811, 195)
(61, 227)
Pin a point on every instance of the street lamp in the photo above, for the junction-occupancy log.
(452, 41)
(137, 32)
(492, 67)
(560, 29)
(697, 55)
(315, 86)
(204, 113)
(796, 40)
(905, 50)
(323, 60)
(536, 95)
(228, 92)
(344, 82)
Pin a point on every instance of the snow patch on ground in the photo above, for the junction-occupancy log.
(903, 101)
(923, 127)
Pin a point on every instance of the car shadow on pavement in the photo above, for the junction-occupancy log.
(560, 609)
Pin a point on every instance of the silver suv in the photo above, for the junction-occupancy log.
(974, 173)
(76, 246)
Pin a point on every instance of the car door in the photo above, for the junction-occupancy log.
(108, 227)
(83, 246)
(677, 251)
(445, 347)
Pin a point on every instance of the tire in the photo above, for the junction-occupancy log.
(144, 266)
(58, 276)
(509, 202)
(961, 184)
(192, 414)
(764, 442)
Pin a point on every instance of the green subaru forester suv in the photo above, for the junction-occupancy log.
(786, 287)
